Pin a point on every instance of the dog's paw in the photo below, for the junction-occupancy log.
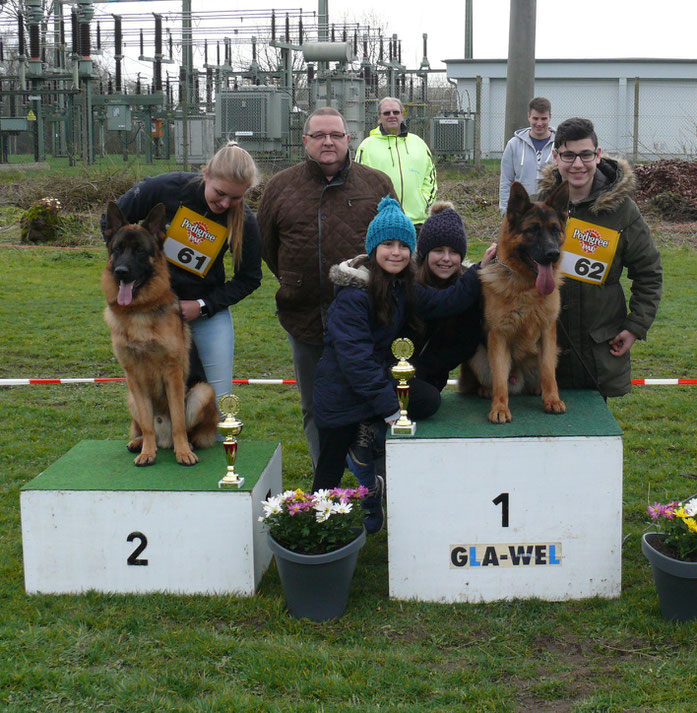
(555, 406)
(136, 445)
(145, 458)
(500, 415)
(186, 457)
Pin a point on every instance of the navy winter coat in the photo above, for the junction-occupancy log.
(353, 381)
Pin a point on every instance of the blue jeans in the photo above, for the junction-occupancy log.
(215, 340)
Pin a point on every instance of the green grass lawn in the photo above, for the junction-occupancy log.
(155, 653)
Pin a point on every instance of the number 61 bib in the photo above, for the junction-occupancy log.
(588, 251)
(193, 242)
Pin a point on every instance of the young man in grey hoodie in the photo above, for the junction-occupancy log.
(527, 153)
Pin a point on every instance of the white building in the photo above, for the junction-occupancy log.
(602, 90)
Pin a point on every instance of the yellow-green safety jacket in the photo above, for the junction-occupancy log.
(406, 159)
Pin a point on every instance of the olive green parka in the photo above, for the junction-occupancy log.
(591, 315)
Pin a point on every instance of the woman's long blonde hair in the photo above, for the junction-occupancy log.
(232, 163)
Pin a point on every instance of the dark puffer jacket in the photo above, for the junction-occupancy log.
(309, 224)
(441, 345)
(353, 381)
(591, 315)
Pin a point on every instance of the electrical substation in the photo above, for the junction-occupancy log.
(252, 76)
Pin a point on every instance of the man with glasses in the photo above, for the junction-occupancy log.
(314, 215)
(404, 157)
(605, 233)
(528, 152)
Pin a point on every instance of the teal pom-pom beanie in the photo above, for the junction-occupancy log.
(390, 223)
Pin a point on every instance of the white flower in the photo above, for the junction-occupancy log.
(323, 508)
(342, 508)
(322, 494)
(272, 506)
(690, 507)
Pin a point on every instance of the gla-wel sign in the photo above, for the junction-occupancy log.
(505, 555)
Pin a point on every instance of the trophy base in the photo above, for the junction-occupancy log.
(403, 430)
(226, 482)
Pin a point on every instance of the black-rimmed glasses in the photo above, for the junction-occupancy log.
(320, 135)
(394, 112)
(570, 156)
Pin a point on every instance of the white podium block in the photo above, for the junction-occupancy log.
(533, 508)
(94, 521)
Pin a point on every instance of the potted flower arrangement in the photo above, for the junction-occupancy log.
(672, 552)
(315, 539)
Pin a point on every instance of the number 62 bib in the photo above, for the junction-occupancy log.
(588, 251)
(193, 242)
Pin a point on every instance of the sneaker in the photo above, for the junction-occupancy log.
(373, 511)
(362, 450)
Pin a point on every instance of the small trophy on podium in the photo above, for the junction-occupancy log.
(230, 427)
(403, 348)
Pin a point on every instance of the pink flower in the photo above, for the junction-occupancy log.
(659, 510)
(294, 508)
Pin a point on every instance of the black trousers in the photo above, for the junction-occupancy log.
(424, 401)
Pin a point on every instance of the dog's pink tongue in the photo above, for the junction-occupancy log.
(545, 279)
(125, 293)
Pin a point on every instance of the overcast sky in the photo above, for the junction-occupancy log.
(565, 28)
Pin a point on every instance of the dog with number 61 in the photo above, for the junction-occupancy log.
(152, 342)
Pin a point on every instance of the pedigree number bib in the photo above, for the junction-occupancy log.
(588, 251)
(193, 242)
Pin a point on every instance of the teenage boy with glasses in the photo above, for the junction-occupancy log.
(605, 234)
(314, 215)
(404, 157)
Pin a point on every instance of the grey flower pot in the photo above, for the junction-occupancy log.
(676, 581)
(317, 587)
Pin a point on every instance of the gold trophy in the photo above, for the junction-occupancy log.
(403, 348)
(230, 427)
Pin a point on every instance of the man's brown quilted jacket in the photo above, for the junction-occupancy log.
(309, 224)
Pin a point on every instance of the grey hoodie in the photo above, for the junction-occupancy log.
(521, 163)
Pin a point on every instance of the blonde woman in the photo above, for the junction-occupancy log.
(207, 218)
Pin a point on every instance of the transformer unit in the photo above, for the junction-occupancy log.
(201, 141)
(256, 117)
(453, 135)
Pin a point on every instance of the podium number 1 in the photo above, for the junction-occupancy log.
(502, 499)
(133, 558)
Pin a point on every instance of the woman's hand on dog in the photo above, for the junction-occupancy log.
(190, 309)
(489, 255)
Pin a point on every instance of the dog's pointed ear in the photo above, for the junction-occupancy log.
(115, 220)
(518, 201)
(558, 201)
(155, 222)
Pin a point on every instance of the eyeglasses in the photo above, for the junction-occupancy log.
(320, 135)
(570, 156)
(394, 112)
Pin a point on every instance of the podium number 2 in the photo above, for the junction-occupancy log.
(133, 557)
(502, 499)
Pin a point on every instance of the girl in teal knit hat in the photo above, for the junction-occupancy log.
(375, 297)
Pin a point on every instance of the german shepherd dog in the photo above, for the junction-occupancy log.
(151, 341)
(521, 305)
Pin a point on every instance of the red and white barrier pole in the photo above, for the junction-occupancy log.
(266, 382)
